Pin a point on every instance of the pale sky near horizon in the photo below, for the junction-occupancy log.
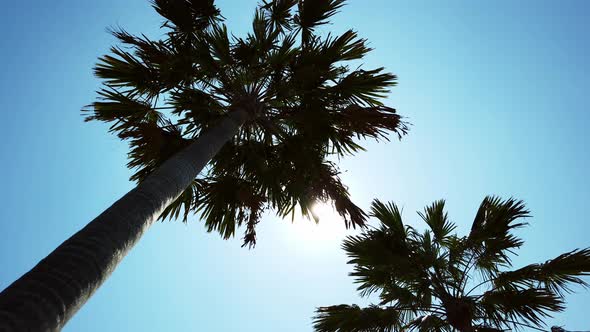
(496, 93)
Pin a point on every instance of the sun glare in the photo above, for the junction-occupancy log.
(329, 228)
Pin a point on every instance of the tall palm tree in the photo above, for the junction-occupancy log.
(262, 115)
(434, 280)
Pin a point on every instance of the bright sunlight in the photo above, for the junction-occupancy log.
(329, 229)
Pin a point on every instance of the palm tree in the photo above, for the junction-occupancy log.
(435, 280)
(263, 115)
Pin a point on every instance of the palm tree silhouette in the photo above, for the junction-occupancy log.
(260, 114)
(438, 281)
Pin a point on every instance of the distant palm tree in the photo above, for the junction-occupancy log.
(435, 280)
(263, 114)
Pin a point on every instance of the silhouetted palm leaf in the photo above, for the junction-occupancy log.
(529, 305)
(429, 323)
(437, 220)
(490, 238)
(346, 318)
(555, 274)
(313, 13)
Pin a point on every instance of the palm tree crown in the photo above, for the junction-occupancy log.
(427, 281)
(304, 104)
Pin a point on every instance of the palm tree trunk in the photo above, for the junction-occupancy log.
(47, 296)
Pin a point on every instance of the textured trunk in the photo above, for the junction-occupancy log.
(47, 296)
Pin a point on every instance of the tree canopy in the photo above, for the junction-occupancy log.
(307, 105)
(436, 280)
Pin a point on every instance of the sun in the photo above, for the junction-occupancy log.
(325, 213)
(329, 228)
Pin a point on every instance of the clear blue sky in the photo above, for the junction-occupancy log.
(496, 92)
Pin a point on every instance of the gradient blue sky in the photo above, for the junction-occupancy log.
(496, 92)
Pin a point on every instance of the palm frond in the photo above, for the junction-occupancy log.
(438, 221)
(313, 13)
(490, 237)
(390, 216)
(396, 293)
(219, 44)
(352, 214)
(371, 122)
(187, 16)
(120, 108)
(495, 217)
(229, 202)
(169, 64)
(364, 87)
(144, 48)
(556, 274)
(348, 46)
(385, 255)
(124, 70)
(182, 206)
(430, 323)
(352, 318)
(279, 13)
(527, 305)
(197, 109)
(151, 145)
